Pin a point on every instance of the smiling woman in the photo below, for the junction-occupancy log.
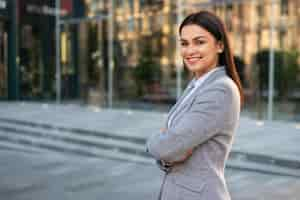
(193, 147)
(199, 49)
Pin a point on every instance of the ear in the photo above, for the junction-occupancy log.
(220, 46)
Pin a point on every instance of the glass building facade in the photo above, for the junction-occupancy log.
(4, 29)
(147, 72)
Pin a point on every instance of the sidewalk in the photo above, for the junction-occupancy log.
(37, 176)
(263, 142)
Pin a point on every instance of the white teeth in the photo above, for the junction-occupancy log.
(193, 59)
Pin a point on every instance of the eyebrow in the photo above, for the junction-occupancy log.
(195, 38)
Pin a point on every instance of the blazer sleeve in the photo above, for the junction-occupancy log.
(205, 119)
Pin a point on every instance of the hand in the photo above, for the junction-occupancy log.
(163, 130)
(187, 155)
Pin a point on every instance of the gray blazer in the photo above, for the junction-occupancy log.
(205, 122)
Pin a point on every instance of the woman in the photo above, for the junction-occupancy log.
(196, 142)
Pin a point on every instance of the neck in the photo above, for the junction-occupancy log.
(199, 74)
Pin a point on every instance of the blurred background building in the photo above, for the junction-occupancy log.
(144, 70)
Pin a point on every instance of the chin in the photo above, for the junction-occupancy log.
(194, 68)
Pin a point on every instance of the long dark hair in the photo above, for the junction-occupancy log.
(216, 27)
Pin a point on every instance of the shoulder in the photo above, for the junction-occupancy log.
(222, 82)
(231, 94)
(226, 83)
(223, 89)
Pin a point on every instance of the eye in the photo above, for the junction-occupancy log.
(200, 42)
(183, 44)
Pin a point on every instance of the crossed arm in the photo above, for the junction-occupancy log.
(188, 154)
(203, 121)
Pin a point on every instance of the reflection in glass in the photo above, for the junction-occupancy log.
(3, 60)
(146, 34)
(31, 64)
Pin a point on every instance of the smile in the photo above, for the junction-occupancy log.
(193, 59)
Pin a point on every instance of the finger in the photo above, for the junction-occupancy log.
(163, 129)
(187, 155)
(189, 152)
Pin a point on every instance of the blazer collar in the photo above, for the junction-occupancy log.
(216, 74)
(199, 81)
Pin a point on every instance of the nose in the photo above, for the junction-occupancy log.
(190, 50)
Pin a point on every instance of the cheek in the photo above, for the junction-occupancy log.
(182, 49)
(182, 52)
(210, 52)
(211, 58)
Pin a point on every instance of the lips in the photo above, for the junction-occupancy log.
(192, 60)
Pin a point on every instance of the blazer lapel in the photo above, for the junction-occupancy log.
(185, 92)
(178, 111)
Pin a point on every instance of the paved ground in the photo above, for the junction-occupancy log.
(99, 154)
(55, 176)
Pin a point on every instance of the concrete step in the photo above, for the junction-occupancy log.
(51, 138)
(4, 145)
(132, 138)
(263, 168)
(22, 140)
(44, 145)
(125, 146)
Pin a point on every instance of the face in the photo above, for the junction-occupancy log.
(199, 49)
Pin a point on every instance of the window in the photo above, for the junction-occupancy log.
(260, 10)
(284, 7)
